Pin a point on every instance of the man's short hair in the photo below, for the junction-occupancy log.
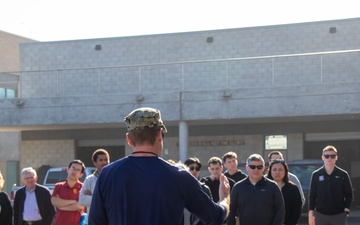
(214, 161)
(99, 152)
(255, 157)
(28, 170)
(275, 153)
(229, 155)
(143, 136)
(190, 161)
(329, 148)
(78, 161)
(143, 125)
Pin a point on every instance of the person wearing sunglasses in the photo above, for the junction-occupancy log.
(279, 172)
(256, 199)
(194, 166)
(330, 193)
(231, 164)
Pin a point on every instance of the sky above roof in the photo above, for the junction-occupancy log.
(45, 20)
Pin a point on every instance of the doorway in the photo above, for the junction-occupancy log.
(348, 151)
(84, 153)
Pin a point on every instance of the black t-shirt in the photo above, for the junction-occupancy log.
(238, 176)
(214, 186)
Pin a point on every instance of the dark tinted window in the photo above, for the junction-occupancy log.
(56, 176)
(303, 172)
(59, 176)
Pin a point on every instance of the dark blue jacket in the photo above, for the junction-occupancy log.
(149, 191)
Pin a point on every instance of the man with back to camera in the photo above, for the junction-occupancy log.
(66, 195)
(293, 178)
(100, 159)
(32, 203)
(231, 163)
(330, 192)
(145, 189)
(256, 199)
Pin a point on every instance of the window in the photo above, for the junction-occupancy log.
(2, 93)
(10, 93)
(7, 93)
(275, 142)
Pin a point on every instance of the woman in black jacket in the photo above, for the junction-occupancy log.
(278, 172)
(6, 212)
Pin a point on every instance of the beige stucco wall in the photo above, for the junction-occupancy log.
(243, 145)
(9, 46)
(205, 147)
(295, 146)
(61, 152)
(55, 153)
(9, 151)
(9, 146)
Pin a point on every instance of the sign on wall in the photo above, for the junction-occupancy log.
(275, 142)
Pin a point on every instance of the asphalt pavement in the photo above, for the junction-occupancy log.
(353, 219)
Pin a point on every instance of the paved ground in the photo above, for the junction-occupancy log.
(354, 217)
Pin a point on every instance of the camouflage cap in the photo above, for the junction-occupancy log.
(144, 118)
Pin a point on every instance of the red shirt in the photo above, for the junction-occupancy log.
(66, 192)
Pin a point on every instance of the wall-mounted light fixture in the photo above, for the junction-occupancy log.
(227, 94)
(332, 30)
(140, 98)
(97, 47)
(19, 102)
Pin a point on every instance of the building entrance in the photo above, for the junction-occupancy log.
(84, 153)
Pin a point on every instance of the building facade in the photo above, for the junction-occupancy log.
(9, 86)
(294, 88)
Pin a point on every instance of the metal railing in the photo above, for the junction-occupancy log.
(195, 75)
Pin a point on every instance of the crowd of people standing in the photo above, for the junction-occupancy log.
(70, 199)
(145, 189)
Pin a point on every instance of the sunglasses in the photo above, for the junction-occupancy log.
(194, 168)
(328, 156)
(259, 167)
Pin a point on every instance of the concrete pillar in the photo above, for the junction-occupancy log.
(183, 140)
